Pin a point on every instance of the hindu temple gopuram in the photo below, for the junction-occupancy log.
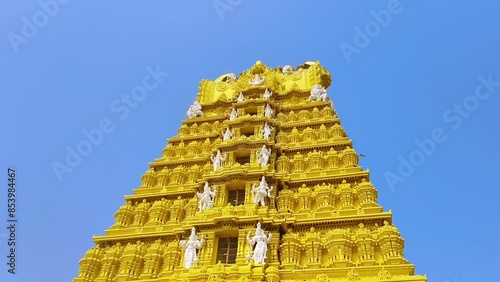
(261, 184)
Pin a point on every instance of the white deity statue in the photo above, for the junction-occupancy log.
(233, 115)
(194, 110)
(263, 156)
(206, 199)
(231, 77)
(256, 80)
(318, 93)
(287, 69)
(260, 240)
(268, 111)
(260, 192)
(267, 94)
(266, 131)
(218, 160)
(190, 246)
(240, 98)
(227, 135)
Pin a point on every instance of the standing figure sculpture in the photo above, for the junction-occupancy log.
(194, 110)
(233, 115)
(218, 160)
(318, 93)
(266, 131)
(263, 156)
(260, 240)
(227, 135)
(267, 94)
(190, 246)
(268, 111)
(260, 192)
(256, 80)
(206, 199)
(240, 98)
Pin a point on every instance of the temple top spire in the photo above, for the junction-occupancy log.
(282, 80)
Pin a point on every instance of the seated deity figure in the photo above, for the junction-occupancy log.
(287, 69)
(266, 131)
(206, 199)
(218, 160)
(268, 111)
(318, 93)
(195, 110)
(190, 246)
(260, 192)
(263, 155)
(240, 98)
(256, 80)
(227, 135)
(267, 94)
(260, 240)
(233, 115)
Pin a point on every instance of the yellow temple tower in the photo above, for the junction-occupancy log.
(260, 184)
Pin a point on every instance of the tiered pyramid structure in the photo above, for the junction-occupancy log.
(260, 184)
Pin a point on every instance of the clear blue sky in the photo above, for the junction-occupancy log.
(413, 74)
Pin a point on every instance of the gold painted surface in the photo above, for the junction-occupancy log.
(323, 215)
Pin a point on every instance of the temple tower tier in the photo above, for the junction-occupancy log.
(261, 183)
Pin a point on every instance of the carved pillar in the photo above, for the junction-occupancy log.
(305, 199)
(349, 157)
(90, 265)
(171, 258)
(141, 213)
(298, 163)
(281, 138)
(316, 113)
(191, 207)
(153, 260)
(290, 250)
(346, 195)
(323, 133)
(365, 245)
(339, 248)
(283, 164)
(149, 178)
(333, 160)
(324, 197)
(158, 212)
(131, 262)
(124, 216)
(337, 132)
(313, 248)
(110, 263)
(162, 179)
(327, 112)
(308, 135)
(285, 200)
(206, 254)
(177, 210)
(391, 244)
(367, 194)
